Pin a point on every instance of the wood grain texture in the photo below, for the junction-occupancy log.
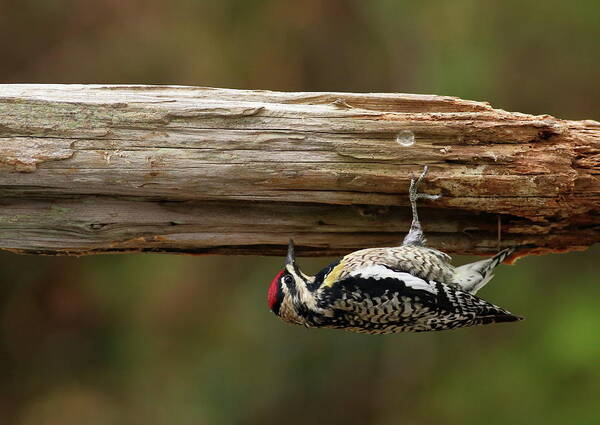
(91, 169)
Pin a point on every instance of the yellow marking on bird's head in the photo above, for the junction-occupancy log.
(334, 274)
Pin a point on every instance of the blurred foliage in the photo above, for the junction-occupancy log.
(147, 339)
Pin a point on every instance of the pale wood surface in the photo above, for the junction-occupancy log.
(92, 168)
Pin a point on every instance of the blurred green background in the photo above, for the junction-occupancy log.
(158, 339)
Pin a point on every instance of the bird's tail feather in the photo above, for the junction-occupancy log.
(500, 257)
(473, 276)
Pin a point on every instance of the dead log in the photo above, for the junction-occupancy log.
(96, 169)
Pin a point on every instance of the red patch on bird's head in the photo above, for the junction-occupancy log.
(273, 296)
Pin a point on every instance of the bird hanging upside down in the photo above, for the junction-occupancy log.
(409, 288)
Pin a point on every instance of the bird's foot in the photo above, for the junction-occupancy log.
(413, 191)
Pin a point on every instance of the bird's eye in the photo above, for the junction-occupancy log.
(287, 279)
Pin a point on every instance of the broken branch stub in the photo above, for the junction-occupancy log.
(92, 169)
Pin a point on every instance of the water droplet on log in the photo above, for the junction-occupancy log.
(405, 138)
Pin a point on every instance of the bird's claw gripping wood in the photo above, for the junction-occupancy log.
(408, 288)
(415, 235)
(414, 187)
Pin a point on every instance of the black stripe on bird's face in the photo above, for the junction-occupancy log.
(284, 284)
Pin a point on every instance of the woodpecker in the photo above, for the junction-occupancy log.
(408, 288)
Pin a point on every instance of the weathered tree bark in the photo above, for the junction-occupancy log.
(92, 169)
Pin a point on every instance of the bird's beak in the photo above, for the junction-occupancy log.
(291, 257)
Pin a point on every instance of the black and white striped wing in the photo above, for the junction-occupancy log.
(378, 299)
